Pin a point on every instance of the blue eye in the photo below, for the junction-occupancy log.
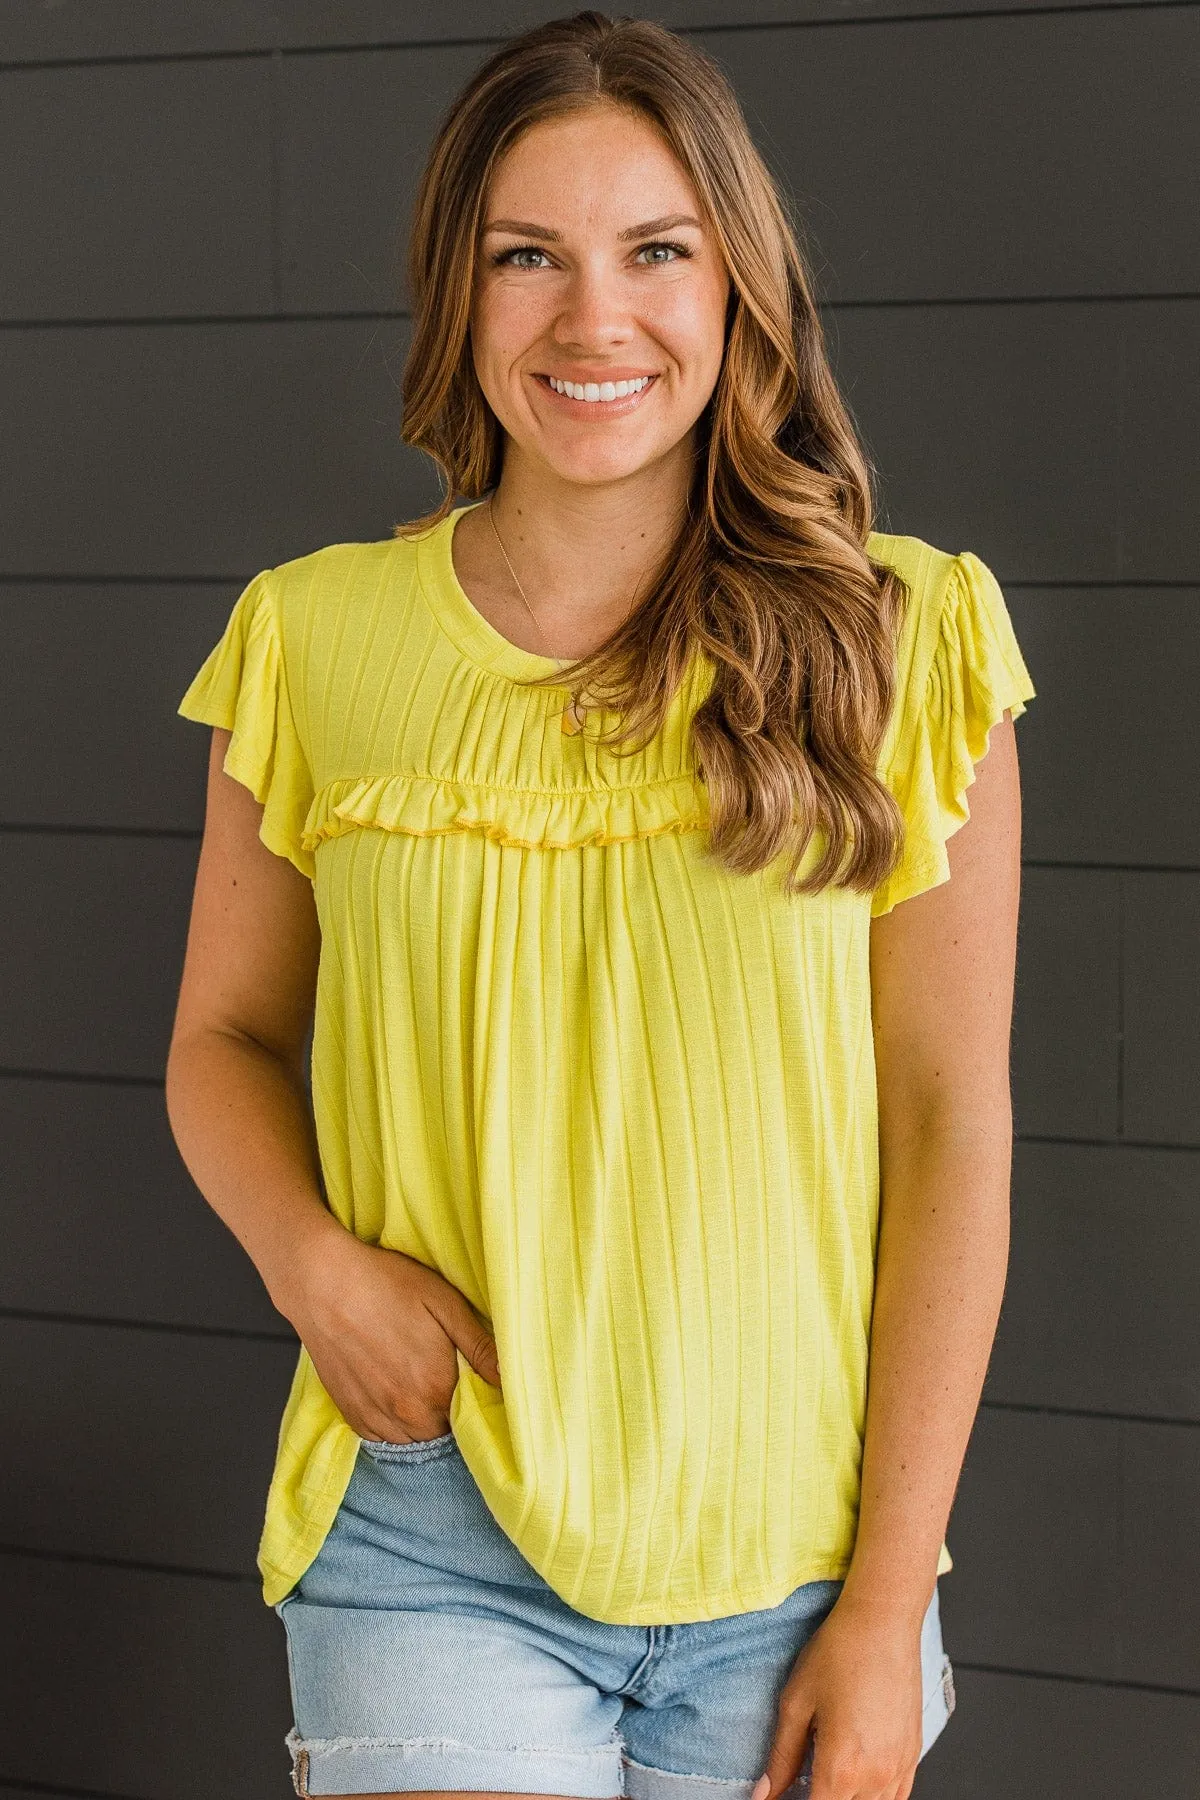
(503, 256)
(664, 244)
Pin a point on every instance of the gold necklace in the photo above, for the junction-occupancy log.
(520, 589)
(573, 712)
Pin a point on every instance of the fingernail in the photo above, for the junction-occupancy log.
(762, 1788)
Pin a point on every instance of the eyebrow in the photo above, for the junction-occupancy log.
(522, 228)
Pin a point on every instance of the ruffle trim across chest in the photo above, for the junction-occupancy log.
(526, 818)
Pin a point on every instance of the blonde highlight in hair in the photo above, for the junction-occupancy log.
(769, 575)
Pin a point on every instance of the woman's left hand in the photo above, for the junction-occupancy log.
(857, 1684)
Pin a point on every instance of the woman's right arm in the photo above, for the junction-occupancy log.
(235, 1089)
(380, 1327)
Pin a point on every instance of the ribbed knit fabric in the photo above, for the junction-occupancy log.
(622, 1098)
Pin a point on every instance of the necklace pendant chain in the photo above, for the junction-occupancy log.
(572, 720)
(516, 578)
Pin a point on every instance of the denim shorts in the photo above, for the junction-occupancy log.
(425, 1652)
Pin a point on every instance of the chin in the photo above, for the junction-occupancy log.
(594, 472)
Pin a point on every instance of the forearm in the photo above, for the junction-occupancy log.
(941, 1264)
(240, 1118)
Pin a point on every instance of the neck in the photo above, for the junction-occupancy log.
(583, 554)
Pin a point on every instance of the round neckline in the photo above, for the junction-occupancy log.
(459, 617)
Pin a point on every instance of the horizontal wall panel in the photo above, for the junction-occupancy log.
(188, 227)
(1075, 1548)
(1162, 1007)
(913, 208)
(94, 929)
(139, 1445)
(201, 450)
(155, 202)
(9, 1792)
(945, 159)
(1066, 1012)
(1057, 440)
(350, 159)
(89, 731)
(1097, 784)
(1013, 1735)
(100, 1218)
(354, 133)
(31, 30)
(142, 1684)
(1095, 1315)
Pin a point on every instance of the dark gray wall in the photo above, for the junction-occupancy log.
(202, 210)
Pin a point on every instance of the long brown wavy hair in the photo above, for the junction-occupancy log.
(769, 574)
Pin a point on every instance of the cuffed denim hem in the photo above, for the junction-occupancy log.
(645, 1783)
(395, 1765)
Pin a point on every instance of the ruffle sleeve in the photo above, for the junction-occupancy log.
(975, 674)
(242, 687)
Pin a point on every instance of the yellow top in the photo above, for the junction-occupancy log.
(621, 1098)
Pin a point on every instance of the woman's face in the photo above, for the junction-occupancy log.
(593, 266)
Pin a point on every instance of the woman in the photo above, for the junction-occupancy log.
(581, 814)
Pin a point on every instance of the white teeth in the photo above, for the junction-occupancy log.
(599, 391)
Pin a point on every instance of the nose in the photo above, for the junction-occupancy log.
(594, 311)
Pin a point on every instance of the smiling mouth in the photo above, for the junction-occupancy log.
(599, 395)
